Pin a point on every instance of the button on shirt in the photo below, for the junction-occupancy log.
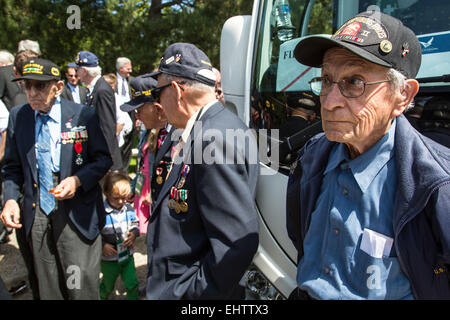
(54, 126)
(356, 198)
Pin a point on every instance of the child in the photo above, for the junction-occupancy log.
(118, 236)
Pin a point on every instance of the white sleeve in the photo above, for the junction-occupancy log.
(4, 115)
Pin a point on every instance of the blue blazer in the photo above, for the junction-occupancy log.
(20, 177)
(204, 252)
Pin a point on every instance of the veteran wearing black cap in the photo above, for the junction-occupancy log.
(154, 147)
(55, 155)
(203, 231)
(367, 201)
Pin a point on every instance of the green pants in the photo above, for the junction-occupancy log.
(111, 270)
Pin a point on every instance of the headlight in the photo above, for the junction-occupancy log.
(259, 287)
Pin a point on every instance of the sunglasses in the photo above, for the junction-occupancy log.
(156, 93)
(38, 85)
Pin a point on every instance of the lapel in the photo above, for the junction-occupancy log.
(29, 140)
(176, 170)
(165, 146)
(67, 115)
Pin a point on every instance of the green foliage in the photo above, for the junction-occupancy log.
(139, 30)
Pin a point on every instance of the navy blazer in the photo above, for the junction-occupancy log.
(20, 175)
(203, 253)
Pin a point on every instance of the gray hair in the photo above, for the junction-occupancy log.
(121, 62)
(94, 71)
(398, 82)
(6, 57)
(29, 45)
(193, 84)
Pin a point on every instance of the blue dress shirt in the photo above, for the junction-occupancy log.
(356, 203)
(75, 90)
(54, 126)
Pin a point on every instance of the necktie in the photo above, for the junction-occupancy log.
(44, 161)
(124, 91)
(162, 134)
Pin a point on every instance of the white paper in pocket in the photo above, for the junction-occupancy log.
(376, 244)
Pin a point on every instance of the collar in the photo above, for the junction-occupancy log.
(110, 209)
(55, 111)
(367, 166)
(93, 83)
(191, 122)
(71, 87)
(119, 77)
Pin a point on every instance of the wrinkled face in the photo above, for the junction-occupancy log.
(126, 70)
(150, 116)
(362, 121)
(42, 94)
(71, 76)
(82, 74)
(169, 102)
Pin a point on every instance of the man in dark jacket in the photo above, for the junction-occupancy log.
(367, 202)
(100, 96)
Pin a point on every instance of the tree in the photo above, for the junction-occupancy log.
(139, 30)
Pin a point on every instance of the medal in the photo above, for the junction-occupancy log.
(159, 178)
(184, 206)
(78, 149)
(184, 174)
(177, 207)
(171, 204)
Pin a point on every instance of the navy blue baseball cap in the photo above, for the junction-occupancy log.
(85, 59)
(141, 92)
(185, 60)
(372, 35)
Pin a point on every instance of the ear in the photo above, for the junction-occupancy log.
(60, 87)
(160, 111)
(406, 95)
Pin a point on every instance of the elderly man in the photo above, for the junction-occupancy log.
(55, 155)
(153, 161)
(368, 201)
(100, 96)
(203, 231)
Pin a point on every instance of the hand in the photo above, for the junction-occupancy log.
(129, 241)
(66, 189)
(109, 251)
(11, 214)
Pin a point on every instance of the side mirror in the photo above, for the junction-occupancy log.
(234, 53)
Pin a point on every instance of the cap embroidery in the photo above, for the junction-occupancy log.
(33, 68)
(405, 49)
(170, 60)
(55, 72)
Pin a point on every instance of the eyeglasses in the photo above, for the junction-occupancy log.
(38, 85)
(352, 87)
(156, 93)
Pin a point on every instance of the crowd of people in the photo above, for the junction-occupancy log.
(367, 200)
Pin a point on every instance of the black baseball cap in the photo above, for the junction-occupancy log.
(39, 69)
(141, 92)
(371, 35)
(187, 61)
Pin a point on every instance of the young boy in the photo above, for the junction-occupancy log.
(118, 235)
